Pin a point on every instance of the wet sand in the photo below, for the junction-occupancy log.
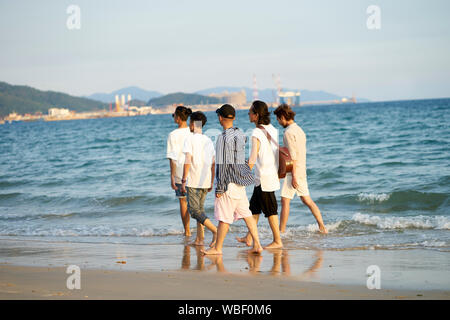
(36, 269)
(19, 282)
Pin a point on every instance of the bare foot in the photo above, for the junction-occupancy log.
(256, 249)
(211, 251)
(198, 242)
(323, 230)
(247, 240)
(187, 233)
(213, 242)
(274, 245)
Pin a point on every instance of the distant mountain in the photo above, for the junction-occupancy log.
(137, 103)
(269, 95)
(183, 98)
(135, 92)
(24, 99)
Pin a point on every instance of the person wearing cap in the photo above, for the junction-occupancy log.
(232, 176)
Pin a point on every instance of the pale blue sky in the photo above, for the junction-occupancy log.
(186, 46)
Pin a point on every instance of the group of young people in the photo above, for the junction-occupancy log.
(195, 163)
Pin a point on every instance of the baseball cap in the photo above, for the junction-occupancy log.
(226, 111)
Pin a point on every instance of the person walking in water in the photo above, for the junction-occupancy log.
(232, 175)
(264, 157)
(175, 143)
(296, 182)
(198, 175)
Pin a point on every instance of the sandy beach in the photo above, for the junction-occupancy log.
(50, 283)
(37, 270)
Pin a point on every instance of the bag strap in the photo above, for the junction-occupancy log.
(269, 137)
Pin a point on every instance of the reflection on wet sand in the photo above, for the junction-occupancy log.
(186, 260)
(280, 262)
(312, 271)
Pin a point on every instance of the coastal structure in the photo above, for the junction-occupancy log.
(234, 98)
(290, 97)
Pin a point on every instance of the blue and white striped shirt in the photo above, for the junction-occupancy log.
(231, 166)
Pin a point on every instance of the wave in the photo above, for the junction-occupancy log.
(394, 201)
(373, 197)
(12, 195)
(89, 231)
(415, 222)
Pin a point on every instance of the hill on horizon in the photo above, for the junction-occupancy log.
(269, 95)
(135, 92)
(183, 98)
(25, 99)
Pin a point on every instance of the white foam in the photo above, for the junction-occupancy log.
(418, 222)
(373, 197)
(101, 231)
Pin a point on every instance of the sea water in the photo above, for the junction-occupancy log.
(379, 172)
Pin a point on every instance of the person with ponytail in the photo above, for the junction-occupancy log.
(263, 157)
(175, 143)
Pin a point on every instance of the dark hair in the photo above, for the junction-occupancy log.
(199, 116)
(285, 111)
(261, 109)
(182, 112)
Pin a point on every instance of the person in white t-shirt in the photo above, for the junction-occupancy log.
(175, 143)
(264, 157)
(198, 175)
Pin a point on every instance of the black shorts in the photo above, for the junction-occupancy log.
(265, 202)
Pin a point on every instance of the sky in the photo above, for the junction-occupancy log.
(171, 46)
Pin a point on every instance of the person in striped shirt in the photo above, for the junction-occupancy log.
(232, 176)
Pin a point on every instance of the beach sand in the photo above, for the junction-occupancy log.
(18, 282)
(36, 269)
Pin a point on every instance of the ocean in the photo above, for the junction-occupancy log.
(379, 172)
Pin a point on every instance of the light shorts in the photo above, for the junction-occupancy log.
(232, 205)
(287, 191)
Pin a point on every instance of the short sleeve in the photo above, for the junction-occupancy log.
(171, 153)
(209, 152)
(291, 144)
(212, 149)
(187, 147)
(258, 133)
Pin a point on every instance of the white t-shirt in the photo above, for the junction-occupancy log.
(175, 143)
(266, 166)
(201, 148)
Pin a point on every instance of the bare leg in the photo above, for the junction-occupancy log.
(253, 229)
(222, 231)
(285, 206)
(248, 240)
(185, 216)
(211, 227)
(200, 235)
(273, 222)
(276, 262)
(217, 260)
(254, 262)
(315, 211)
